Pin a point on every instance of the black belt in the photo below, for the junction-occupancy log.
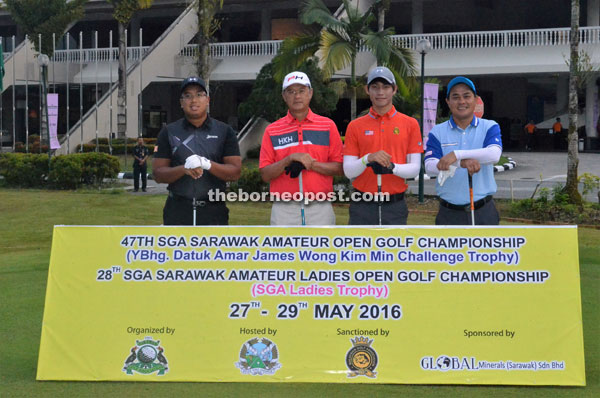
(478, 204)
(199, 202)
(397, 197)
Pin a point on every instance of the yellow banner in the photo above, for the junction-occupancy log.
(365, 305)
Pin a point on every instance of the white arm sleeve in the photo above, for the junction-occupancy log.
(354, 166)
(431, 167)
(488, 155)
(411, 168)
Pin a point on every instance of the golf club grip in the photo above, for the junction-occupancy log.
(471, 191)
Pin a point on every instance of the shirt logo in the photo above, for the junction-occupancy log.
(368, 132)
(396, 130)
(211, 136)
(285, 140)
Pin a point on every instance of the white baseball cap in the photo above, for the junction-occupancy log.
(296, 78)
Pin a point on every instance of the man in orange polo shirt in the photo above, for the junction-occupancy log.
(301, 148)
(557, 126)
(530, 129)
(385, 142)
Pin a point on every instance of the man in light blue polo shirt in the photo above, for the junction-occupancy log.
(464, 145)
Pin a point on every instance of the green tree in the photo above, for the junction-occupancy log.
(123, 12)
(208, 25)
(266, 101)
(338, 42)
(45, 17)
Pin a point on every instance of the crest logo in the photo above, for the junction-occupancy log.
(259, 356)
(146, 357)
(397, 131)
(361, 359)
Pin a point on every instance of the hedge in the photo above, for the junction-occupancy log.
(66, 171)
(117, 149)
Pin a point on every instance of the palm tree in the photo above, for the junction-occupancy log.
(123, 12)
(339, 41)
(572, 155)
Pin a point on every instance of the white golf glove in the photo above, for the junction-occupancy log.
(195, 161)
(445, 174)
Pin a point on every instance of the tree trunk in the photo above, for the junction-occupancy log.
(122, 87)
(572, 140)
(380, 18)
(204, 21)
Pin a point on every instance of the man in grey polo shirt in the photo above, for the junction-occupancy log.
(195, 155)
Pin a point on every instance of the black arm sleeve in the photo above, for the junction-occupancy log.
(231, 146)
(164, 147)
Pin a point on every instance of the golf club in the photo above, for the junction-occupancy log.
(194, 204)
(471, 196)
(301, 198)
(379, 196)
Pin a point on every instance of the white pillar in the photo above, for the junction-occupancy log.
(417, 16)
(591, 108)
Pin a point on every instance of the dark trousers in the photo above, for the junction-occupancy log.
(485, 215)
(137, 170)
(181, 212)
(367, 213)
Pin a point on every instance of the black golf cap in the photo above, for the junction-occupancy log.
(193, 80)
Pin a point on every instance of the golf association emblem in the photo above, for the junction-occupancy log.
(259, 356)
(361, 359)
(146, 357)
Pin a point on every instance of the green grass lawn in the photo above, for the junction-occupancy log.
(28, 217)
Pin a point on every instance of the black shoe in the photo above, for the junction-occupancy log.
(135, 190)
(144, 189)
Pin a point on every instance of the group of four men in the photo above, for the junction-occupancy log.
(302, 152)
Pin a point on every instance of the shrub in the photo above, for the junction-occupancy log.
(553, 205)
(98, 166)
(253, 153)
(250, 181)
(66, 171)
(117, 149)
(24, 170)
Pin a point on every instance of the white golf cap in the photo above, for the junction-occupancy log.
(295, 78)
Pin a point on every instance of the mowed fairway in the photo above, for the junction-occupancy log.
(28, 217)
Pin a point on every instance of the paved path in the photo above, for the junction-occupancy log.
(552, 166)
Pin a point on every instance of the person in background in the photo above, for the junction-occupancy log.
(140, 166)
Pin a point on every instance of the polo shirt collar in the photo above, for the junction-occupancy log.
(390, 114)
(309, 117)
(207, 123)
(474, 122)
